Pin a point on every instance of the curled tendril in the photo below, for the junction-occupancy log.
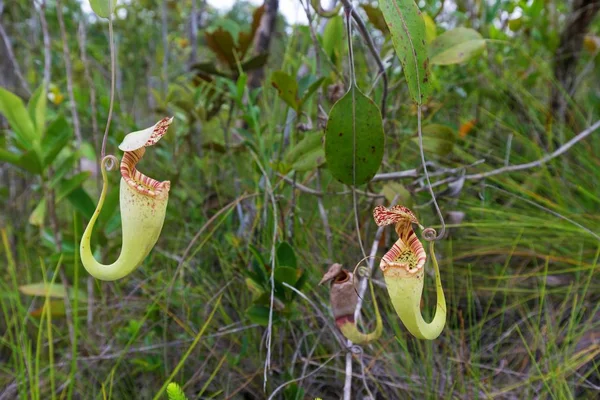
(362, 271)
(109, 162)
(355, 349)
(429, 234)
(316, 5)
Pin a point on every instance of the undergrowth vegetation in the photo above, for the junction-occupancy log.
(227, 304)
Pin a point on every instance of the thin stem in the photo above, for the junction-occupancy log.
(353, 91)
(47, 51)
(424, 163)
(11, 56)
(113, 68)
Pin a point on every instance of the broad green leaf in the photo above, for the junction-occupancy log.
(53, 290)
(13, 109)
(287, 275)
(57, 137)
(310, 142)
(437, 139)
(30, 161)
(57, 309)
(82, 202)
(39, 214)
(228, 25)
(309, 92)
(397, 191)
(37, 110)
(286, 255)
(456, 46)
(310, 161)
(255, 62)
(63, 168)
(375, 16)
(222, 44)
(430, 28)
(67, 186)
(245, 38)
(333, 37)
(260, 315)
(87, 151)
(9, 156)
(102, 7)
(354, 139)
(287, 87)
(407, 29)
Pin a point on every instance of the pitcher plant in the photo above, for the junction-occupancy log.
(403, 268)
(143, 203)
(344, 298)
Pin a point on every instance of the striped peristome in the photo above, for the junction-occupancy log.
(137, 180)
(408, 251)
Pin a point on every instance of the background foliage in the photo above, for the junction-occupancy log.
(511, 81)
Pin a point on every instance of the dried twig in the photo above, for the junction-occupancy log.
(47, 50)
(11, 56)
(561, 150)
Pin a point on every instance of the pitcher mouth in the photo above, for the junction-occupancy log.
(408, 252)
(137, 180)
(134, 145)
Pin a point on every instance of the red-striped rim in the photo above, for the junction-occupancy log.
(408, 251)
(138, 181)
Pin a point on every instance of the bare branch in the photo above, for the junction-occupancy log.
(11, 56)
(561, 150)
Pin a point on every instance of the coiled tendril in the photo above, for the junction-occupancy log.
(429, 234)
(109, 162)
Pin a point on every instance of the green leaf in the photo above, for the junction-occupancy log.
(287, 88)
(174, 392)
(309, 92)
(39, 214)
(310, 142)
(260, 315)
(354, 139)
(430, 28)
(310, 161)
(229, 26)
(245, 38)
(456, 46)
(56, 307)
(37, 110)
(30, 161)
(437, 139)
(12, 107)
(53, 290)
(87, 151)
(57, 137)
(9, 156)
(288, 275)
(255, 62)
(286, 255)
(222, 44)
(82, 202)
(101, 7)
(407, 29)
(375, 16)
(397, 191)
(333, 37)
(67, 186)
